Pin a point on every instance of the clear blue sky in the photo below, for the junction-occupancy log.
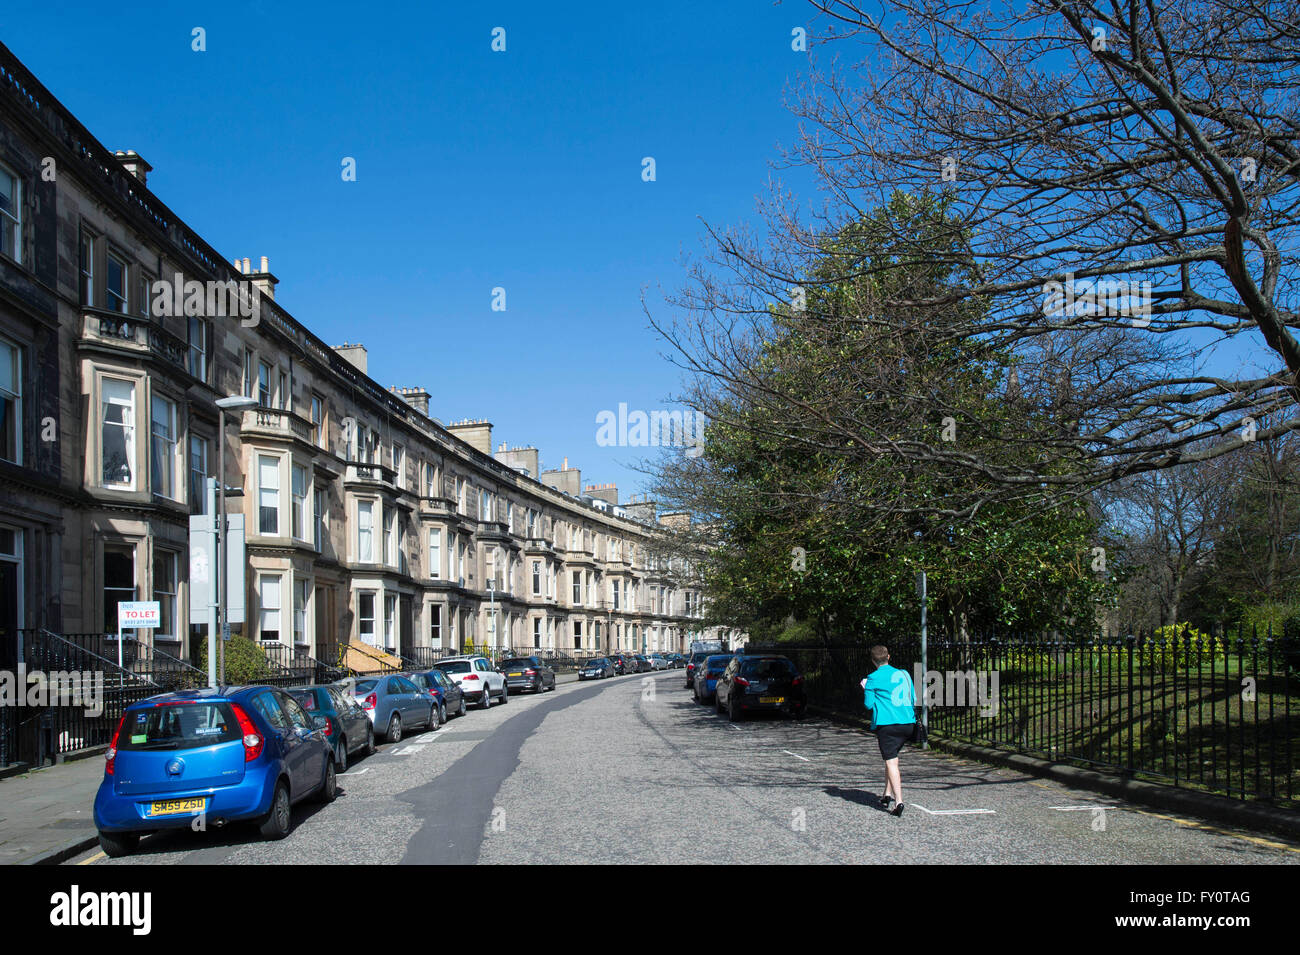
(475, 169)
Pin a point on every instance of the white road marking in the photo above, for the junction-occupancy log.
(409, 750)
(1080, 808)
(355, 772)
(796, 755)
(955, 812)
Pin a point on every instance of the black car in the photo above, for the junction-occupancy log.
(348, 728)
(622, 663)
(751, 684)
(527, 673)
(596, 669)
(642, 664)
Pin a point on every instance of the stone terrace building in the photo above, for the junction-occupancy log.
(367, 520)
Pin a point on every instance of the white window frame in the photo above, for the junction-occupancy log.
(366, 531)
(128, 427)
(270, 585)
(13, 401)
(266, 493)
(435, 552)
(162, 474)
(11, 220)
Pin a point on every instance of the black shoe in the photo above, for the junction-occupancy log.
(885, 801)
(897, 810)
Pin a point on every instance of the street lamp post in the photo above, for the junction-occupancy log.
(233, 403)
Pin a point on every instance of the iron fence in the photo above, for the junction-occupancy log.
(69, 697)
(1211, 712)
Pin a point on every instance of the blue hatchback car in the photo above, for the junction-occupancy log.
(231, 754)
(707, 673)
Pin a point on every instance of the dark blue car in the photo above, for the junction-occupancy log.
(228, 755)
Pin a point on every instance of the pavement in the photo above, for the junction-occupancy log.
(45, 813)
(631, 770)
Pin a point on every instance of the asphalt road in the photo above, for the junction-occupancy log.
(631, 770)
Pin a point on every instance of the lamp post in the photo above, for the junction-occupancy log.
(224, 405)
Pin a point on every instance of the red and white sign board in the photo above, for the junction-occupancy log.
(137, 614)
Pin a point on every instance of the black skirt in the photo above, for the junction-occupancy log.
(891, 738)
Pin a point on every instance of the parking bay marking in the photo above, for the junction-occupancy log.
(956, 812)
(796, 755)
(356, 772)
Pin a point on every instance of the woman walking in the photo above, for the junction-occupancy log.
(891, 697)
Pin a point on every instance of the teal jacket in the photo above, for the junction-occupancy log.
(890, 696)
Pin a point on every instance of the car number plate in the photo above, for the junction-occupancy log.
(514, 674)
(771, 699)
(170, 807)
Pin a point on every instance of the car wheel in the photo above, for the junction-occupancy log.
(463, 708)
(370, 740)
(118, 844)
(341, 755)
(486, 702)
(733, 713)
(505, 692)
(429, 723)
(442, 714)
(330, 787)
(276, 823)
(394, 734)
(540, 687)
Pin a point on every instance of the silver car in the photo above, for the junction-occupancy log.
(393, 704)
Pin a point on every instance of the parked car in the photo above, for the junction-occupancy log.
(347, 729)
(753, 683)
(696, 659)
(641, 663)
(707, 672)
(396, 704)
(527, 673)
(659, 661)
(677, 660)
(228, 755)
(597, 669)
(451, 700)
(476, 679)
(622, 663)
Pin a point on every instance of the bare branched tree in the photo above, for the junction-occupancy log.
(1120, 185)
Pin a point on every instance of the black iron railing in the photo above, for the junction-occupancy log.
(1217, 713)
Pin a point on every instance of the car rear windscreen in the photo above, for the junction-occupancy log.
(455, 666)
(521, 662)
(768, 669)
(365, 686)
(178, 726)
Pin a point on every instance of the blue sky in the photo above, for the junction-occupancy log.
(475, 170)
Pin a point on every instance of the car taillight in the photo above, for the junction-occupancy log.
(253, 741)
(370, 702)
(530, 672)
(329, 726)
(796, 681)
(471, 676)
(112, 747)
(741, 681)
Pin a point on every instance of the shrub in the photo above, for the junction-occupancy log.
(1180, 647)
(245, 661)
